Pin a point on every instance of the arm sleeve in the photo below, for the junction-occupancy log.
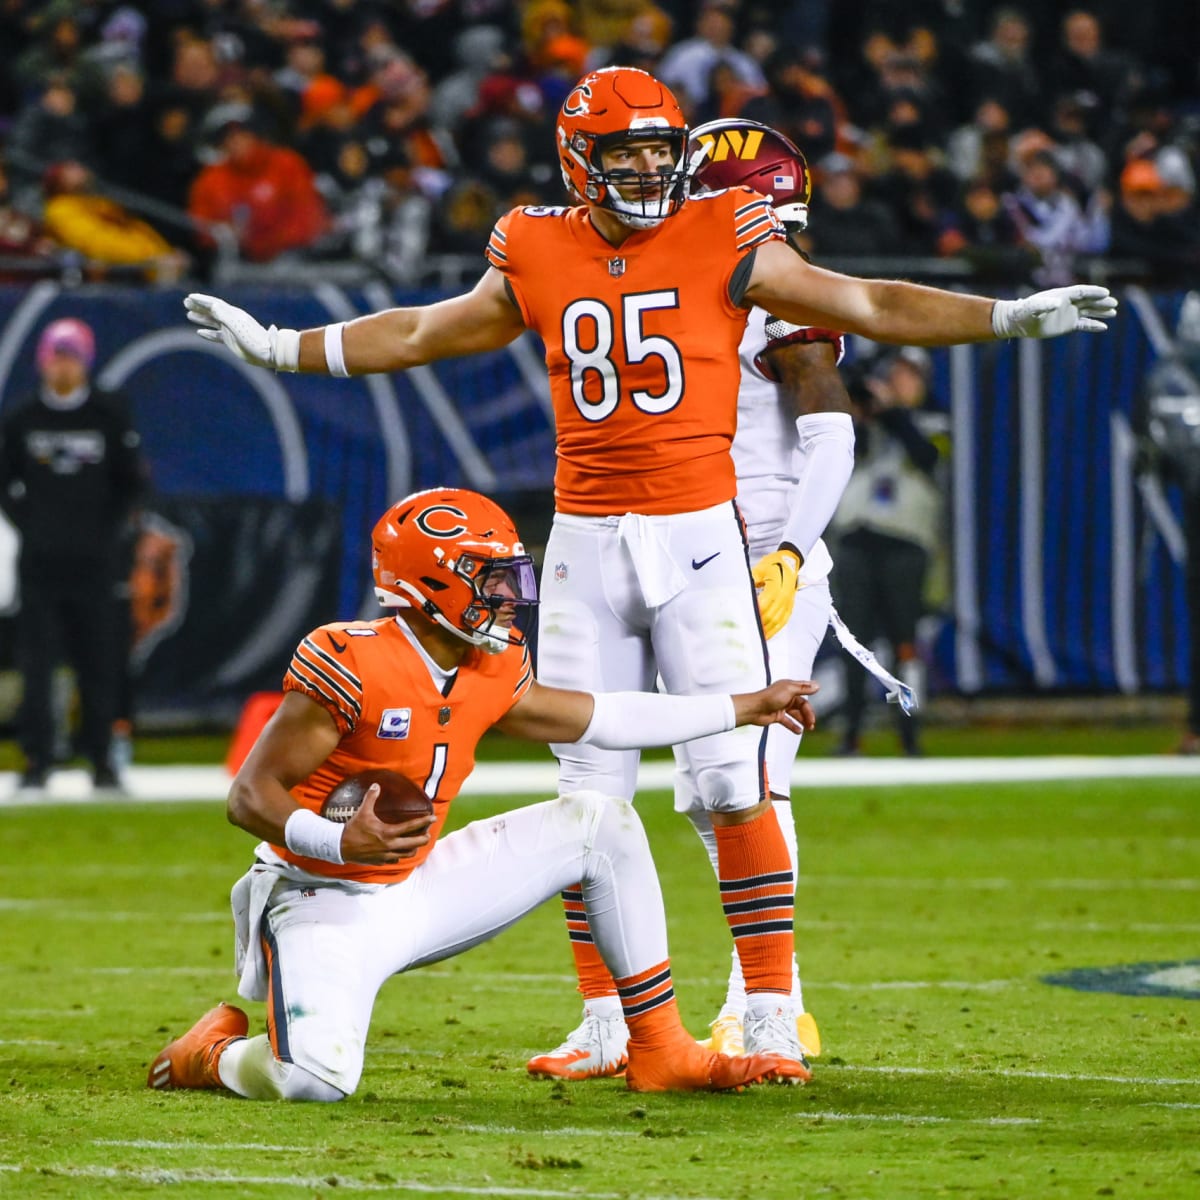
(827, 442)
(633, 720)
(497, 254)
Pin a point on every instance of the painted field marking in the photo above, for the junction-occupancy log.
(313, 1183)
(915, 1118)
(193, 783)
(1009, 1073)
(149, 1144)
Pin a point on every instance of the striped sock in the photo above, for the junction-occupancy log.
(595, 980)
(648, 1002)
(758, 895)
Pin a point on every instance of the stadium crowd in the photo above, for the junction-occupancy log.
(1013, 138)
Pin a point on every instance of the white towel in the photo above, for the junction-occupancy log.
(248, 900)
(658, 577)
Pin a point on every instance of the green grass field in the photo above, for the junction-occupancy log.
(926, 918)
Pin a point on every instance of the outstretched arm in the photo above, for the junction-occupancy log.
(391, 340)
(629, 720)
(911, 314)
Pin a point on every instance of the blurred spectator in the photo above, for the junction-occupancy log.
(1003, 70)
(50, 129)
(1050, 219)
(1145, 226)
(265, 192)
(687, 66)
(59, 52)
(1083, 65)
(983, 233)
(397, 128)
(101, 230)
(70, 476)
(916, 188)
(968, 144)
(23, 239)
(642, 42)
(123, 130)
(844, 223)
(1077, 155)
(506, 171)
(303, 73)
(889, 527)
(478, 51)
(1152, 133)
(800, 102)
(464, 219)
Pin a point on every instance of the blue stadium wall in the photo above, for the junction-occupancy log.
(1067, 573)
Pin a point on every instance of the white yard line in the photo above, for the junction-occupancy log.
(184, 783)
(1008, 1073)
(915, 1118)
(312, 1183)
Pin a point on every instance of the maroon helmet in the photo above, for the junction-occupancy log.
(736, 152)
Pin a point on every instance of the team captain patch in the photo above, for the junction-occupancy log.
(394, 723)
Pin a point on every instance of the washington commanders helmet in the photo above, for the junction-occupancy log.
(604, 109)
(735, 152)
(455, 556)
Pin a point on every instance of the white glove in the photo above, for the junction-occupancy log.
(1083, 306)
(219, 321)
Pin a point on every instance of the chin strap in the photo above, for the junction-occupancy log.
(897, 692)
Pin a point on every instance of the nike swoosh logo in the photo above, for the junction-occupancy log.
(704, 561)
(338, 646)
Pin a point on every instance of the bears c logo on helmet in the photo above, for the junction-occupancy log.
(425, 526)
(576, 104)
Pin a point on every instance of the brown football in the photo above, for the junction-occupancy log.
(399, 798)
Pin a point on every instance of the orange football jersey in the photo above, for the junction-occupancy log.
(391, 714)
(641, 347)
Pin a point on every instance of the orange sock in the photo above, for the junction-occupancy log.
(595, 979)
(648, 1002)
(758, 895)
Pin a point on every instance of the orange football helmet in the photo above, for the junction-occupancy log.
(614, 105)
(455, 556)
(735, 152)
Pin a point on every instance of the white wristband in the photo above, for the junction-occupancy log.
(285, 347)
(311, 836)
(335, 355)
(1000, 317)
(631, 720)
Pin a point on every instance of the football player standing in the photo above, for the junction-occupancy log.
(641, 296)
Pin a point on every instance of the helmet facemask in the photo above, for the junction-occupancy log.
(649, 197)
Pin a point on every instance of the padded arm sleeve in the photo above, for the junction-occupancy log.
(633, 720)
(827, 440)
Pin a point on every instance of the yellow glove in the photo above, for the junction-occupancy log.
(775, 576)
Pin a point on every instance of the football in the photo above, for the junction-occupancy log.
(399, 798)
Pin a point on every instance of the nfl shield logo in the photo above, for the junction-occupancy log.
(560, 572)
(616, 267)
(443, 716)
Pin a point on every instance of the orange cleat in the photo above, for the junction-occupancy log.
(190, 1061)
(688, 1068)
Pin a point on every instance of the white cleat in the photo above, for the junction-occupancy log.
(596, 1049)
(775, 1033)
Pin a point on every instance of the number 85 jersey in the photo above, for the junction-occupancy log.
(641, 346)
